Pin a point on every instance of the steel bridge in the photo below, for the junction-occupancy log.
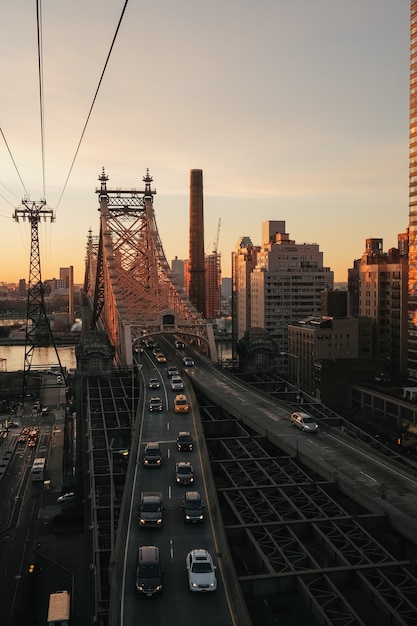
(128, 281)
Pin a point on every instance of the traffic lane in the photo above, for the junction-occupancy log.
(175, 539)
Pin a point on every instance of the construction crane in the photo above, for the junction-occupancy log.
(216, 241)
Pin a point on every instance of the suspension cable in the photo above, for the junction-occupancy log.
(41, 90)
(93, 102)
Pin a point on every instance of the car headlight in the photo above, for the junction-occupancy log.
(194, 585)
(212, 584)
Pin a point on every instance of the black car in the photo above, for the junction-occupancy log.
(151, 509)
(184, 441)
(149, 572)
(193, 506)
(180, 345)
(152, 456)
(184, 474)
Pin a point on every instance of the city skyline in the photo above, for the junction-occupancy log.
(291, 117)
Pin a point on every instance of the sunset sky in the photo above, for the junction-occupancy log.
(295, 111)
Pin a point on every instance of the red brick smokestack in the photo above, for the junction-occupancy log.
(196, 260)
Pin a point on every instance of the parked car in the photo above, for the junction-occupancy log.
(184, 474)
(201, 571)
(155, 404)
(184, 441)
(192, 507)
(154, 383)
(151, 509)
(304, 422)
(152, 456)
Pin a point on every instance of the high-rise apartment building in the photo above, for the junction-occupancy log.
(178, 271)
(412, 260)
(378, 287)
(196, 261)
(213, 285)
(244, 260)
(286, 283)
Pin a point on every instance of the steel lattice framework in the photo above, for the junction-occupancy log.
(128, 279)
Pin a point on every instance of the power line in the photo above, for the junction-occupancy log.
(14, 162)
(41, 96)
(93, 102)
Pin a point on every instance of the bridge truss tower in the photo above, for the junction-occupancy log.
(128, 280)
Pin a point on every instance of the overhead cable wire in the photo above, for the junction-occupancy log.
(41, 90)
(14, 162)
(93, 102)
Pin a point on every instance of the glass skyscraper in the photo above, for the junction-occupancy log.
(412, 253)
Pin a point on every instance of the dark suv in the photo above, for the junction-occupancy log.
(193, 506)
(184, 441)
(184, 474)
(152, 456)
(151, 509)
(149, 572)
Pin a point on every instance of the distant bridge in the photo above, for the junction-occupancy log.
(128, 281)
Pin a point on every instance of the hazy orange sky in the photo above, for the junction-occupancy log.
(295, 111)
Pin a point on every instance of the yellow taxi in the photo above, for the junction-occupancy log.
(181, 404)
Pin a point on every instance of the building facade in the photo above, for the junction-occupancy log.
(412, 271)
(286, 283)
(316, 339)
(213, 285)
(244, 260)
(381, 292)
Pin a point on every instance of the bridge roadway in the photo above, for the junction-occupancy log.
(319, 529)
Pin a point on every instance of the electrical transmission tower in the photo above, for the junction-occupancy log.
(38, 329)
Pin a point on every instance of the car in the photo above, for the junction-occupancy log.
(149, 572)
(192, 507)
(184, 473)
(151, 509)
(188, 361)
(45, 410)
(154, 383)
(201, 571)
(21, 439)
(172, 371)
(184, 441)
(304, 422)
(176, 383)
(13, 424)
(155, 404)
(181, 404)
(152, 456)
(66, 497)
(161, 358)
(37, 405)
(179, 345)
(58, 380)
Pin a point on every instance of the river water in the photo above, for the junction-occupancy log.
(15, 357)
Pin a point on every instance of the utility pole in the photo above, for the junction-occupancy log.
(38, 329)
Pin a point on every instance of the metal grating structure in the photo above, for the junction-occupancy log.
(128, 280)
(109, 403)
(303, 551)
